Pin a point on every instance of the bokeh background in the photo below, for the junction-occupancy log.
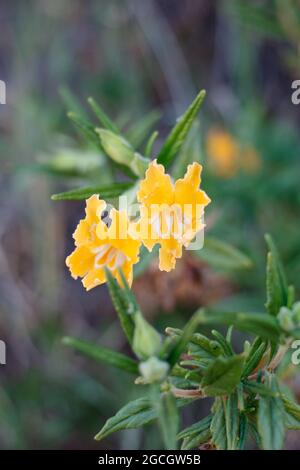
(143, 61)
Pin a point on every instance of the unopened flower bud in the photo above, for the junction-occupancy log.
(116, 147)
(285, 318)
(146, 340)
(154, 370)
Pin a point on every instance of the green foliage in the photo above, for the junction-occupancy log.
(222, 376)
(168, 419)
(185, 364)
(179, 133)
(105, 192)
(277, 290)
(270, 419)
(124, 303)
(103, 355)
(197, 434)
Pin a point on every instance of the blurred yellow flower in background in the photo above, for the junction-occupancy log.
(99, 246)
(171, 214)
(227, 157)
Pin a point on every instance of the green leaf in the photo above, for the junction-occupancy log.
(106, 192)
(135, 414)
(183, 340)
(102, 116)
(291, 422)
(276, 284)
(179, 133)
(150, 143)
(260, 324)
(197, 434)
(71, 102)
(168, 419)
(196, 428)
(101, 354)
(195, 441)
(259, 389)
(224, 344)
(270, 419)
(190, 151)
(124, 305)
(254, 358)
(292, 413)
(225, 424)
(218, 425)
(243, 431)
(232, 420)
(223, 255)
(86, 128)
(222, 375)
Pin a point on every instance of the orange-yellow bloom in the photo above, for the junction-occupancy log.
(227, 157)
(171, 214)
(223, 152)
(99, 245)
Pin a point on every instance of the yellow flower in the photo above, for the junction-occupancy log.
(227, 157)
(170, 213)
(99, 246)
(223, 152)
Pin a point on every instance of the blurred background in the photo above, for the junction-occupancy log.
(144, 62)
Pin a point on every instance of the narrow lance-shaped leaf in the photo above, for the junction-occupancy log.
(254, 359)
(271, 419)
(105, 192)
(72, 103)
(86, 128)
(232, 420)
(179, 133)
(197, 434)
(104, 355)
(123, 305)
(168, 419)
(135, 414)
(292, 413)
(187, 333)
(102, 116)
(277, 289)
(150, 143)
(218, 425)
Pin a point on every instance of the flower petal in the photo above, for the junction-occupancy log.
(80, 261)
(157, 187)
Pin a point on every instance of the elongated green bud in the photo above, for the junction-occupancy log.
(146, 340)
(120, 151)
(116, 147)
